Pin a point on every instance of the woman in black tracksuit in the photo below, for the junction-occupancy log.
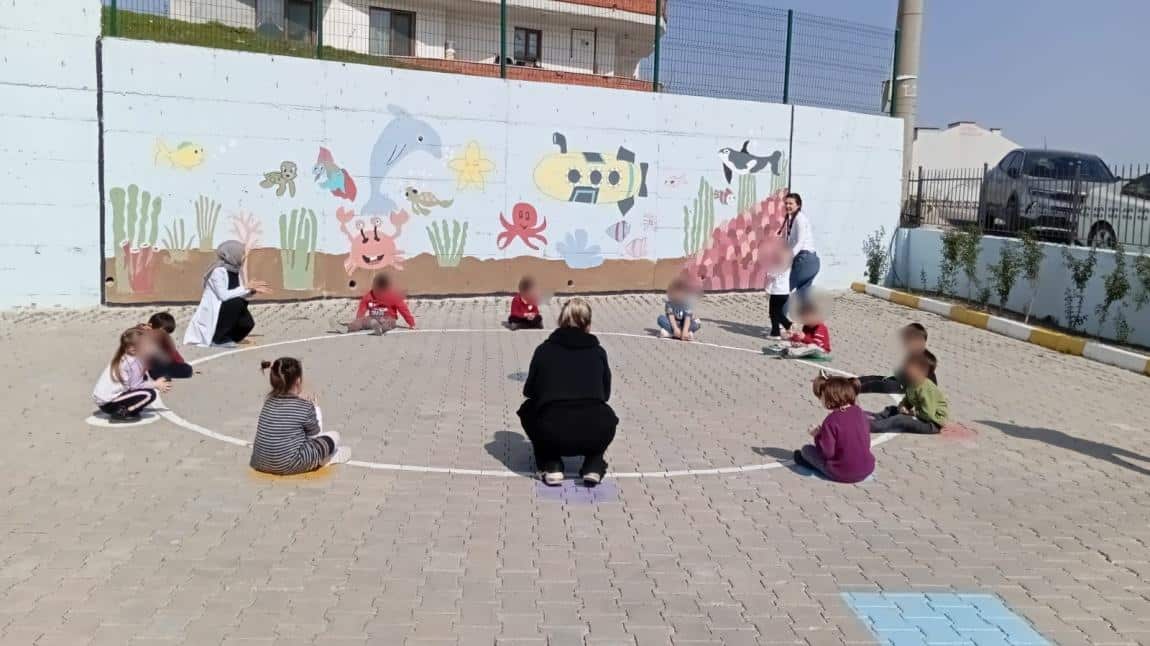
(566, 411)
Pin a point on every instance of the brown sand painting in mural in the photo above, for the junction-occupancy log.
(422, 276)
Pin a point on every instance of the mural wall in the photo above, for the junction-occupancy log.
(330, 173)
(49, 137)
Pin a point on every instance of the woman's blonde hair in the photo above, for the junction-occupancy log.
(576, 313)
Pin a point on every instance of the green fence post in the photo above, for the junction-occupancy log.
(894, 72)
(502, 39)
(658, 34)
(319, 30)
(114, 25)
(787, 60)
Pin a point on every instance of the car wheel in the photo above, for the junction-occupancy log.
(1013, 217)
(986, 218)
(1102, 236)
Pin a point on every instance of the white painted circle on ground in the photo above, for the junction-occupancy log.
(174, 418)
(103, 421)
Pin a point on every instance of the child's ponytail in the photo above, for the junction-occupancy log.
(128, 340)
(283, 374)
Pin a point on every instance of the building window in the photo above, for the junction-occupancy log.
(528, 45)
(299, 21)
(392, 32)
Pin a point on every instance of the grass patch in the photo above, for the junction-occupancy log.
(216, 35)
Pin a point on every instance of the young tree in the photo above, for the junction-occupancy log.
(1032, 256)
(1004, 273)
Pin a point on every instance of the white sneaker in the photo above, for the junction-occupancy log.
(552, 478)
(663, 334)
(342, 455)
(592, 479)
(227, 344)
(339, 326)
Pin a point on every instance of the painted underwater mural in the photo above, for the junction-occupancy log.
(461, 187)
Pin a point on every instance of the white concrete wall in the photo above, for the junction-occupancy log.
(918, 252)
(846, 167)
(49, 200)
(251, 111)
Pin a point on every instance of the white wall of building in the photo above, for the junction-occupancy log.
(916, 265)
(49, 137)
(472, 27)
(960, 145)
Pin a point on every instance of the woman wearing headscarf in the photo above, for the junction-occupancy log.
(222, 317)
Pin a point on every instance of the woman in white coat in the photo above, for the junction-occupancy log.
(222, 317)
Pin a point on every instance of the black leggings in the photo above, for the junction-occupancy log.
(892, 421)
(881, 384)
(570, 428)
(778, 306)
(130, 403)
(526, 324)
(164, 370)
(235, 322)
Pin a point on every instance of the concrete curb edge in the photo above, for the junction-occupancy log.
(1056, 341)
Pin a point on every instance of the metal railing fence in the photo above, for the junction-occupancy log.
(1093, 205)
(699, 47)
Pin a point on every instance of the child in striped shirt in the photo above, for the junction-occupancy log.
(289, 436)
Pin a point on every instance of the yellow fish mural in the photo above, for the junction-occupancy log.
(186, 156)
(591, 178)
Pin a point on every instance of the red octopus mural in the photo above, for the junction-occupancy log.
(523, 226)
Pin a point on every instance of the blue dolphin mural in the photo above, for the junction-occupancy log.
(403, 135)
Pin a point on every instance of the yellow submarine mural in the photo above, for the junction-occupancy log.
(591, 178)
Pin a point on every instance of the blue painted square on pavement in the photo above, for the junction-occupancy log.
(899, 619)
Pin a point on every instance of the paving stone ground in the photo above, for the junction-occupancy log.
(156, 535)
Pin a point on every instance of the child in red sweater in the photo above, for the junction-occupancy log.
(525, 307)
(812, 340)
(379, 308)
(166, 362)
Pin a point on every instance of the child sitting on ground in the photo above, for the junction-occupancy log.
(166, 362)
(289, 435)
(124, 388)
(678, 319)
(913, 338)
(525, 307)
(923, 408)
(841, 448)
(812, 340)
(379, 309)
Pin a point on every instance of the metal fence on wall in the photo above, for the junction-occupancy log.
(1093, 205)
(698, 47)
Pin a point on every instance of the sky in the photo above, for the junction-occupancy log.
(1068, 73)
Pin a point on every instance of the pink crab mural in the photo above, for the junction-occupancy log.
(372, 249)
(525, 225)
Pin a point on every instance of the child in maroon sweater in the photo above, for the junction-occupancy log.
(841, 449)
(525, 307)
(379, 309)
(166, 362)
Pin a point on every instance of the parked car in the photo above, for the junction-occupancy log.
(1115, 214)
(1045, 191)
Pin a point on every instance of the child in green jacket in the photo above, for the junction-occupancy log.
(923, 408)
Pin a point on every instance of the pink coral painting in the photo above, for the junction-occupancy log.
(743, 252)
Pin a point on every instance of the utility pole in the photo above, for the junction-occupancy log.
(904, 94)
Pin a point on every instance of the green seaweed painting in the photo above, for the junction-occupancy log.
(135, 226)
(748, 193)
(297, 249)
(448, 241)
(699, 221)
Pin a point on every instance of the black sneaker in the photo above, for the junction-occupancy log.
(801, 461)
